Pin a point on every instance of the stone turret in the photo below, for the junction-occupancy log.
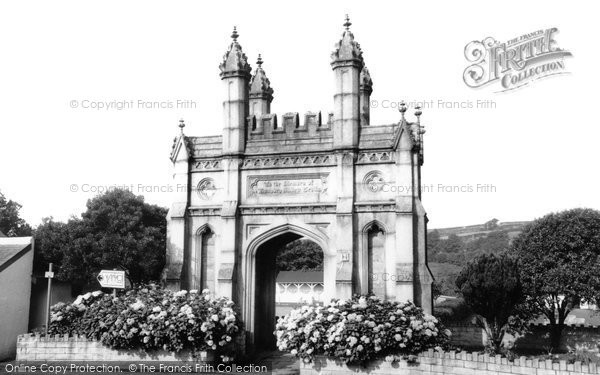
(235, 74)
(347, 62)
(366, 88)
(261, 93)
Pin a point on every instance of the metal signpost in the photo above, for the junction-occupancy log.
(49, 275)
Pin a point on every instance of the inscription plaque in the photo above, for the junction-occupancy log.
(297, 184)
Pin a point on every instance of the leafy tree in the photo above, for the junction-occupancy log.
(494, 242)
(118, 230)
(11, 224)
(51, 237)
(559, 257)
(491, 287)
(300, 255)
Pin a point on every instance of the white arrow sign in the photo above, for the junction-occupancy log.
(111, 279)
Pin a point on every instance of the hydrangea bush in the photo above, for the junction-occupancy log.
(359, 330)
(151, 318)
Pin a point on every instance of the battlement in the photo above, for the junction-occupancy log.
(288, 126)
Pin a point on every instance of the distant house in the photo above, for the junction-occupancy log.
(16, 263)
(295, 288)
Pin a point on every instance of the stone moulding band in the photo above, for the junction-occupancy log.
(288, 209)
(375, 207)
(375, 157)
(278, 161)
(205, 211)
(207, 164)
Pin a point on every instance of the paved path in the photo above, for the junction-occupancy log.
(283, 363)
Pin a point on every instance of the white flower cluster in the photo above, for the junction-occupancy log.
(152, 318)
(358, 330)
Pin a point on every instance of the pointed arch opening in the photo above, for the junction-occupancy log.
(202, 263)
(284, 270)
(372, 259)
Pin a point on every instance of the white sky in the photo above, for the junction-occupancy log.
(538, 147)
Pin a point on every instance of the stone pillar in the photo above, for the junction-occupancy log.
(345, 241)
(177, 229)
(405, 232)
(346, 63)
(235, 74)
(230, 235)
(366, 88)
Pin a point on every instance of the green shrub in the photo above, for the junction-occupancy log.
(151, 318)
(359, 329)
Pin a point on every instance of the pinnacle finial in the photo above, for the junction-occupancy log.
(259, 61)
(402, 108)
(234, 34)
(418, 113)
(181, 125)
(347, 24)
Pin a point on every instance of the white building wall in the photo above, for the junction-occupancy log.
(15, 291)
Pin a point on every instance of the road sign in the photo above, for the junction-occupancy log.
(111, 279)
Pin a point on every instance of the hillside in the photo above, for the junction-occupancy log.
(449, 249)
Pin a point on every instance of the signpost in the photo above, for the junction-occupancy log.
(112, 279)
(49, 275)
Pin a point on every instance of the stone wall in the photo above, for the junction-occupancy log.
(463, 363)
(578, 337)
(69, 348)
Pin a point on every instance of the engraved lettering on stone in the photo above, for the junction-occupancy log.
(288, 185)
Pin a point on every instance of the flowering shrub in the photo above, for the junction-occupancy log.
(359, 329)
(151, 318)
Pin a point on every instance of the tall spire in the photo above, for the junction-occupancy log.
(347, 48)
(261, 93)
(260, 84)
(346, 62)
(235, 61)
(235, 75)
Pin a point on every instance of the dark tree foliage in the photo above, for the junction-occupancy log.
(559, 258)
(491, 287)
(11, 224)
(118, 230)
(300, 255)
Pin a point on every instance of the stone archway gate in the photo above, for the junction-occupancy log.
(351, 187)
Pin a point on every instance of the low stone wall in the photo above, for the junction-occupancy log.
(79, 348)
(579, 337)
(463, 363)
(467, 336)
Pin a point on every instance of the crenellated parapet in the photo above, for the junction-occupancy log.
(288, 126)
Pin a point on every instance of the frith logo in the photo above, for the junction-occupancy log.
(515, 63)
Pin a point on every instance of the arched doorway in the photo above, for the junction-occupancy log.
(261, 276)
